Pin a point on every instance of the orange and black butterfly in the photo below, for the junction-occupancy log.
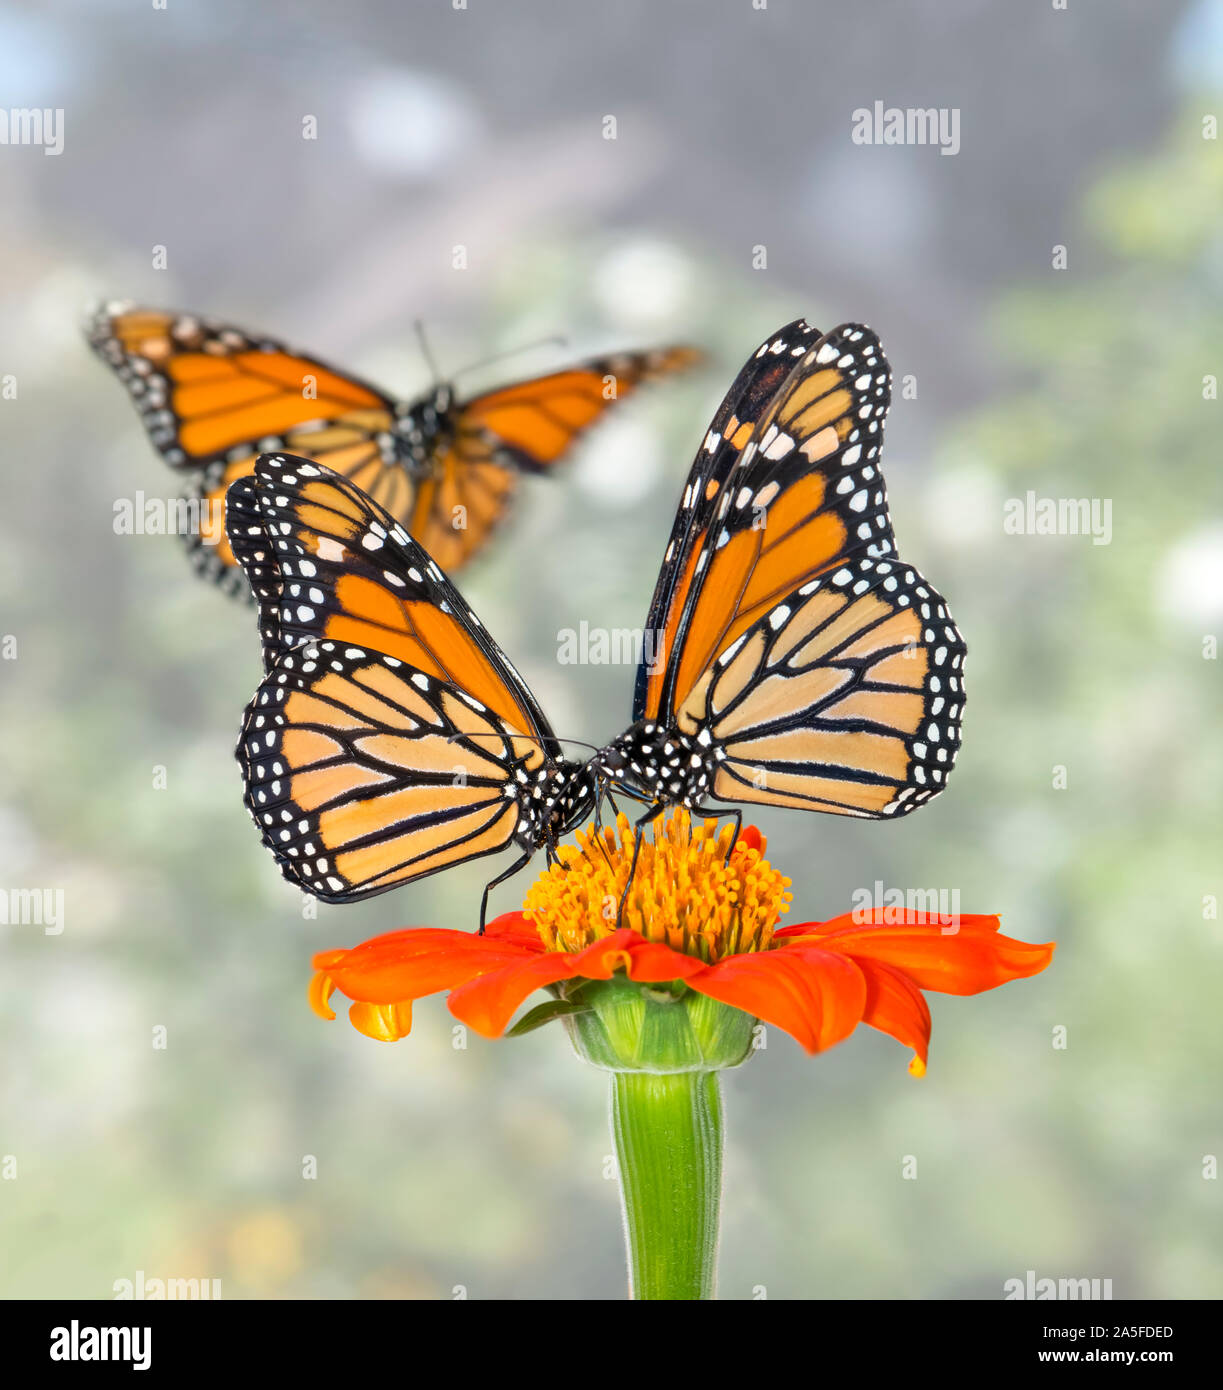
(799, 661)
(212, 397)
(803, 663)
(391, 737)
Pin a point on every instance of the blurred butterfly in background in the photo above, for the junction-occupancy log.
(213, 397)
(799, 662)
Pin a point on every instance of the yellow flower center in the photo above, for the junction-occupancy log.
(690, 889)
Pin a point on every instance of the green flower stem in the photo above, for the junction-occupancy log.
(667, 1128)
(664, 1046)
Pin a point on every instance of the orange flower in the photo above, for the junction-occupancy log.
(698, 919)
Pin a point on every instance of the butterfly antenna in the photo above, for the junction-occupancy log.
(556, 340)
(419, 329)
(530, 738)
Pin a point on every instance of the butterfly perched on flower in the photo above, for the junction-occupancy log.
(801, 664)
(212, 397)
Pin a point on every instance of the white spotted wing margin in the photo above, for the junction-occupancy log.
(847, 698)
(253, 550)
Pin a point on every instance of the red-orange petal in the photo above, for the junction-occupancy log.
(487, 1004)
(816, 996)
(322, 987)
(884, 917)
(405, 965)
(382, 1022)
(515, 929)
(649, 962)
(896, 1006)
(965, 962)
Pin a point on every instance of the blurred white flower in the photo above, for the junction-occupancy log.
(411, 125)
(643, 282)
(963, 505)
(37, 56)
(619, 462)
(18, 844)
(1189, 582)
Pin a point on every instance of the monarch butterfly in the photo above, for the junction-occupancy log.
(390, 738)
(212, 397)
(803, 663)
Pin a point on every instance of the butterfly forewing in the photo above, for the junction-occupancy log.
(352, 574)
(533, 424)
(206, 389)
(254, 560)
(528, 426)
(730, 430)
(804, 494)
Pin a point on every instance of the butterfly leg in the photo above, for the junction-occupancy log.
(509, 873)
(717, 815)
(598, 820)
(651, 811)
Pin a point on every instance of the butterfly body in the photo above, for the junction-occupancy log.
(424, 427)
(552, 804)
(660, 765)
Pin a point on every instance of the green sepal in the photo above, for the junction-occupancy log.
(545, 1013)
(660, 1028)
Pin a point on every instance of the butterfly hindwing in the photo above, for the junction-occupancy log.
(207, 540)
(458, 507)
(363, 773)
(847, 697)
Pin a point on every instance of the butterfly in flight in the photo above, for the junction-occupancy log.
(799, 661)
(213, 397)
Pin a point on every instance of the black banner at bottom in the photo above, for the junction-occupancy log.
(337, 1338)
